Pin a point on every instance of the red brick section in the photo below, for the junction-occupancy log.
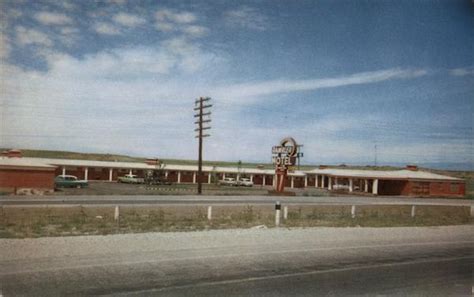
(186, 177)
(27, 178)
(454, 189)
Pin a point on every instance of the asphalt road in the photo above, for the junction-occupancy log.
(194, 199)
(434, 261)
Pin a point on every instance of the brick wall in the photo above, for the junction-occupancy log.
(27, 178)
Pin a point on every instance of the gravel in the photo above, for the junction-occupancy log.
(54, 247)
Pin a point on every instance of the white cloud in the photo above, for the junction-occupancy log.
(246, 17)
(5, 47)
(51, 18)
(69, 30)
(245, 92)
(169, 20)
(14, 13)
(106, 29)
(118, 2)
(26, 36)
(128, 20)
(196, 31)
(168, 15)
(462, 71)
(164, 27)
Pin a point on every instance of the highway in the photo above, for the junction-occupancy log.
(194, 199)
(430, 261)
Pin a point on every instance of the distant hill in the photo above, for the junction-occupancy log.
(124, 158)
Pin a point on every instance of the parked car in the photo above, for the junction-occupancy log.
(245, 182)
(69, 181)
(340, 187)
(228, 181)
(130, 179)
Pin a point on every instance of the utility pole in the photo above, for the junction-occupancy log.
(200, 106)
(375, 154)
(299, 154)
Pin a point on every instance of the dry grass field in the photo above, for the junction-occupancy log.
(23, 222)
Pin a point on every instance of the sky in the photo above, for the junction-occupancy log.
(355, 82)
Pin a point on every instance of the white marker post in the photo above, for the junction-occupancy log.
(413, 211)
(277, 213)
(117, 213)
(285, 212)
(209, 213)
(353, 211)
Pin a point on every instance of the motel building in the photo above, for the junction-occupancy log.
(17, 172)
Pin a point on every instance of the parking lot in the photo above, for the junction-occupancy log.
(114, 188)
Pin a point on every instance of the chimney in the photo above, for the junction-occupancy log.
(412, 167)
(151, 161)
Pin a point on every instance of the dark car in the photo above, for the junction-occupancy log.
(69, 181)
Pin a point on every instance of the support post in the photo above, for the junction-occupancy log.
(130, 172)
(274, 180)
(292, 182)
(264, 180)
(209, 175)
(64, 171)
(305, 181)
(375, 187)
(323, 181)
(194, 177)
(351, 185)
(330, 184)
(179, 177)
(209, 213)
(277, 213)
(251, 177)
(316, 181)
(111, 172)
(117, 213)
(86, 174)
(366, 186)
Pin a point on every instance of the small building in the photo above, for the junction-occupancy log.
(25, 176)
(406, 182)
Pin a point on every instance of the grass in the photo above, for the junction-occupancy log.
(30, 222)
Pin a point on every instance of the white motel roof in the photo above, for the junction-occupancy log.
(24, 162)
(393, 174)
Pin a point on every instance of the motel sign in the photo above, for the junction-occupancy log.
(284, 156)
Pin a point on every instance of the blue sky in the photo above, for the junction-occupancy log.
(341, 77)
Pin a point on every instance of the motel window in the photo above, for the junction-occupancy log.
(454, 188)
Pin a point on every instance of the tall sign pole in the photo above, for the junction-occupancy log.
(203, 117)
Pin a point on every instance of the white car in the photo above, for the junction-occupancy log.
(340, 187)
(130, 179)
(228, 181)
(245, 182)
